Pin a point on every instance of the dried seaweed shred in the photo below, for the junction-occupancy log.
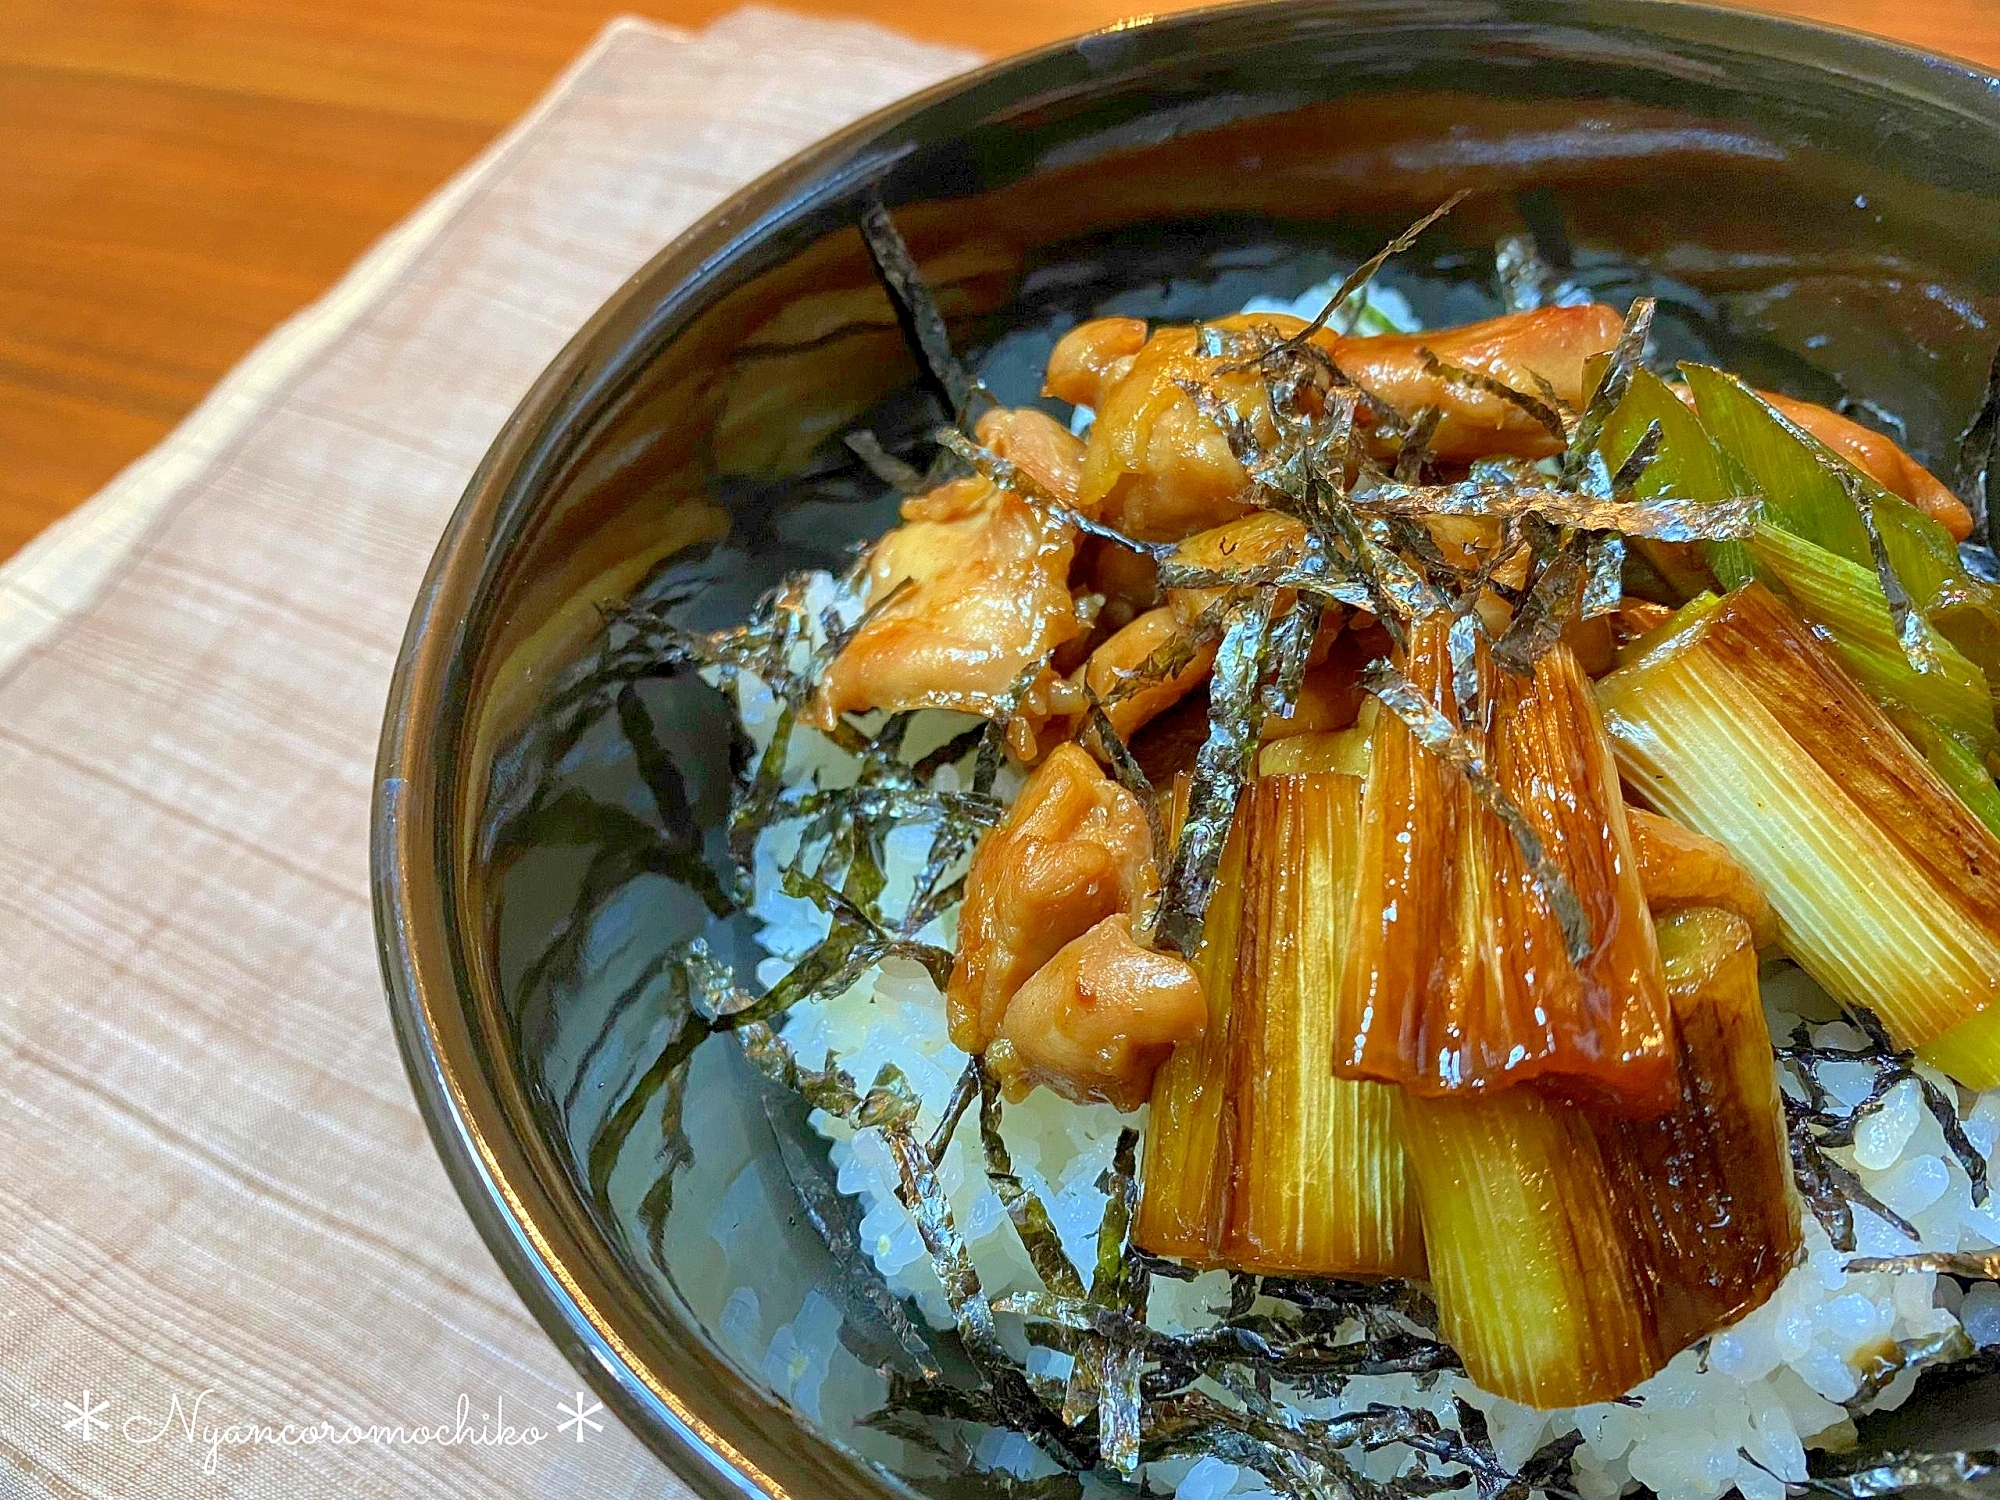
(1364, 273)
(1626, 358)
(1966, 1265)
(1540, 411)
(1913, 634)
(1029, 1215)
(1967, 1476)
(916, 306)
(1830, 1125)
(1222, 765)
(1667, 519)
(1978, 477)
(898, 475)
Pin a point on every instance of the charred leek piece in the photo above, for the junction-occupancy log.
(1573, 1253)
(1535, 1287)
(1687, 465)
(1184, 1183)
(1799, 478)
(1947, 711)
(1744, 727)
(1845, 600)
(1343, 750)
(1705, 1193)
(1318, 1182)
(1458, 977)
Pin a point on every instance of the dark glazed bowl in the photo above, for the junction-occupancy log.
(1815, 208)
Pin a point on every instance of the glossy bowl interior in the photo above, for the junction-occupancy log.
(1813, 208)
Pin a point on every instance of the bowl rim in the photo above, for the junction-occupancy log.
(414, 807)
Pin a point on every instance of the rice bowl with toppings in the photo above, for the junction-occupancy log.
(1013, 1197)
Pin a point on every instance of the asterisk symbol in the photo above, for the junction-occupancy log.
(580, 1415)
(84, 1419)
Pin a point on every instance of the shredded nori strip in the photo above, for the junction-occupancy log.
(1965, 1476)
(1978, 478)
(1909, 1354)
(1831, 1126)
(1121, 1286)
(1415, 452)
(1436, 734)
(1667, 519)
(1545, 415)
(1554, 597)
(916, 306)
(1364, 273)
(884, 465)
(837, 1220)
(1633, 469)
(1222, 765)
(1603, 575)
(1912, 633)
(1966, 1265)
(1625, 358)
(1010, 476)
(891, 1108)
(1830, 1190)
(1029, 1215)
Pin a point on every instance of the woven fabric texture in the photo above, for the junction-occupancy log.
(223, 1214)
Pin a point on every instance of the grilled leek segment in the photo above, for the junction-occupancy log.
(1706, 1190)
(1816, 495)
(1458, 975)
(1688, 464)
(1318, 1184)
(1743, 726)
(1184, 1180)
(1256, 1156)
(1573, 1252)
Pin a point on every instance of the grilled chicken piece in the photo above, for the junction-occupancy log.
(1158, 468)
(1154, 466)
(1098, 1019)
(1040, 446)
(1133, 699)
(1092, 357)
(1679, 868)
(1551, 343)
(1074, 849)
(1262, 538)
(1881, 460)
(984, 597)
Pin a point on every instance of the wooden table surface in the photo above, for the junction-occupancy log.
(177, 176)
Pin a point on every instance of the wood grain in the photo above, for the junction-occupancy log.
(180, 175)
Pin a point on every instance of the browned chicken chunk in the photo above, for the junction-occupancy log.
(1132, 699)
(1881, 460)
(1098, 1019)
(1679, 867)
(1155, 467)
(1091, 357)
(1040, 446)
(1074, 849)
(1551, 343)
(1263, 537)
(1160, 469)
(987, 598)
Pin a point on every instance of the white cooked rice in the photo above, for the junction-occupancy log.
(1738, 1414)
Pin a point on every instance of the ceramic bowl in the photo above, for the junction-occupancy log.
(1814, 208)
